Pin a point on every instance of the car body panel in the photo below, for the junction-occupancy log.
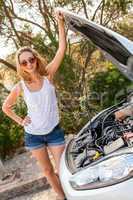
(115, 47)
(119, 50)
(112, 192)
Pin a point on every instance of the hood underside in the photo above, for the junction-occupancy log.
(116, 48)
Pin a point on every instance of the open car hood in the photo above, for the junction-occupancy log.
(116, 48)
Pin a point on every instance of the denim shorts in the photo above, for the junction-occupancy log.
(54, 138)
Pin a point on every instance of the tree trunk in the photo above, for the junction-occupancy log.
(2, 170)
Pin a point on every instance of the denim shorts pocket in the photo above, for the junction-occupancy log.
(28, 138)
(56, 136)
(34, 141)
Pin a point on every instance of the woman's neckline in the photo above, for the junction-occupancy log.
(36, 91)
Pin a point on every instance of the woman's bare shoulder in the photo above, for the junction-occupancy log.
(17, 88)
(50, 78)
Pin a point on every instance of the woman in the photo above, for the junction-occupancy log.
(41, 125)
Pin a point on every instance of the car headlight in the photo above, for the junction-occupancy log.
(110, 171)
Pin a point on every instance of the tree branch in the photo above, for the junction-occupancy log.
(11, 22)
(102, 10)
(7, 64)
(46, 15)
(12, 5)
(98, 7)
(85, 10)
(27, 20)
(17, 46)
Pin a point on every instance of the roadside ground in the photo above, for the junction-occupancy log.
(25, 180)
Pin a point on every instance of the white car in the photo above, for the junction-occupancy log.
(97, 163)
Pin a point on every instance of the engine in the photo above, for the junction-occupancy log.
(103, 136)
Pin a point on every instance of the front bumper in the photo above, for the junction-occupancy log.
(119, 191)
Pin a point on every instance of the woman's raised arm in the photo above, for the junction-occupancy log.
(53, 66)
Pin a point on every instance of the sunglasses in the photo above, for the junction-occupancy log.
(31, 60)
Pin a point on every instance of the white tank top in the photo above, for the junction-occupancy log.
(42, 108)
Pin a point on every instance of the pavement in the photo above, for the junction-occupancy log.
(24, 179)
(48, 194)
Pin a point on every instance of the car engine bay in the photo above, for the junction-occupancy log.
(103, 136)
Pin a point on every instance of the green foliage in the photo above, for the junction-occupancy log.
(73, 121)
(74, 3)
(66, 75)
(2, 17)
(11, 134)
(108, 85)
(39, 45)
(122, 5)
(73, 117)
(125, 27)
(73, 73)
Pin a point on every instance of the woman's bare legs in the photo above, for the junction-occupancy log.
(56, 152)
(42, 157)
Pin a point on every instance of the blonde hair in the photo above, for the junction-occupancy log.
(41, 63)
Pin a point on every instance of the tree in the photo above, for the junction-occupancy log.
(2, 170)
(31, 22)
